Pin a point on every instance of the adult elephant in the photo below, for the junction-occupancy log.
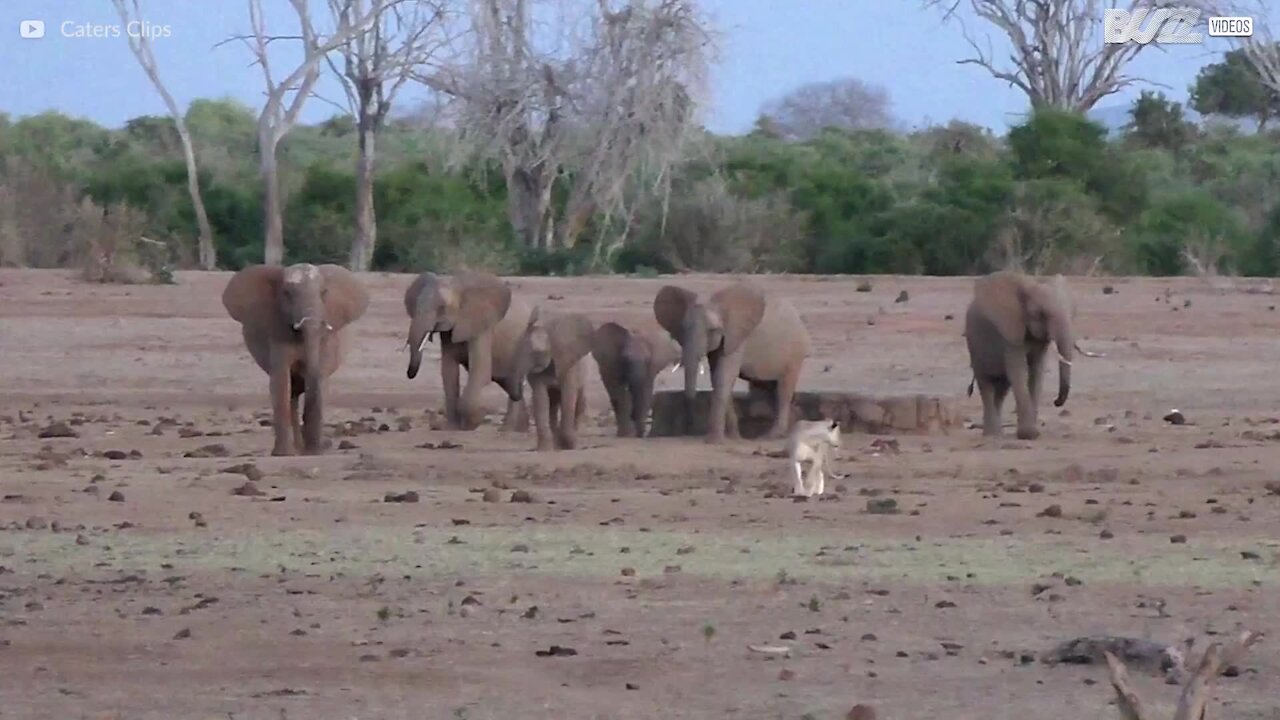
(293, 321)
(743, 333)
(1008, 327)
(479, 323)
(629, 363)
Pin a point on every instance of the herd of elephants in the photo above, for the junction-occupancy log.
(295, 321)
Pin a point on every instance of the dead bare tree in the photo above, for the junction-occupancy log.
(280, 111)
(376, 64)
(141, 46)
(606, 96)
(1195, 686)
(1057, 57)
(846, 103)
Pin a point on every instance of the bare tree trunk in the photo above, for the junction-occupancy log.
(207, 253)
(366, 221)
(272, 210)
(528, 207)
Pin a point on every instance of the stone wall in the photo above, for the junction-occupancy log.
(856, 412)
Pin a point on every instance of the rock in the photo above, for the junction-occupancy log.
(249, 470)
(115, 496)
(216, 450)
(902, 297)
(37, 523)
(556, 651)
(1053, 511)
(1175, 417)
(182, 634)
(861, 712)
(1178, 539)
(786, 674)
(882, 506)
(522, 496)
(492, 495)
(58, 429)
(863, 286)
(248, 489)
(410, 496)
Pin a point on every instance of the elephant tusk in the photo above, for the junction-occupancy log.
(327, 326)
(1063, 360)
(1086, 353)
(298, 324)
(422, 345)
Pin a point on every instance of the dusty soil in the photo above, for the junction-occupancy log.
(657, 561)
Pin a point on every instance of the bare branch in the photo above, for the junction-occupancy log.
(847, 104)
(1057, 57)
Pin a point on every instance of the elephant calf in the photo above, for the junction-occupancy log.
(629, 363)
(292, 319)
(549, 353)
(1008, 327)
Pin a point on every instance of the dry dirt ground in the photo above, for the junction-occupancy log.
(657, 561)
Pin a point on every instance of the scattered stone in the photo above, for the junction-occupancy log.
(216, 450)
(182, 634)
(37, 523)
(115, 496)
(410, 496)
(249, 470)
(492, 495)
(863, 286)
(1178, 539)
(556, 651)
(882, 506)
(58, 429)
(1053, 511)
(1175, 417)
(861, 712)
(248, 489)
(628, 572)
(522, 496)
(902, 297)
(786, 674)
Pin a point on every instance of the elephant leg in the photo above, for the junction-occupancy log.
(1017, 371)
(313, 416)
(542, 414)
(991, 422)
(281, 406)
(517, 417)
(1035, 375)
(449, 376)
(786, 389)
(641, 400)
(479, 374)
(581, 405)
(294, 418)
(569, 415)
(820, 479)
(620, 400)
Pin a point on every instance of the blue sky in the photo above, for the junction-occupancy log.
(768, 47)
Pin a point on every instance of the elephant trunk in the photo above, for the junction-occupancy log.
(313, 396)
(420, 331)
(1065, 342)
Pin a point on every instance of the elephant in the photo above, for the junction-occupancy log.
(479, 323)
(1008, 327)
(550, 355)
(629, 363)
(743, 333)
(293, 320)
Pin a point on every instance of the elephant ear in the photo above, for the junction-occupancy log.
(607, 344)
(345, 299)
(252, 293)
(483, 300)
(670, 306)
(664, 352)
(420, 283)
(570, 337)
(1002, 297)
(741, 308)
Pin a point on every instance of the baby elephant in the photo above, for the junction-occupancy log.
(292, 319)
(549, 354)
(629, 363)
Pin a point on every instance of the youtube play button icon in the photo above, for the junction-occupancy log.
(31, 29)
